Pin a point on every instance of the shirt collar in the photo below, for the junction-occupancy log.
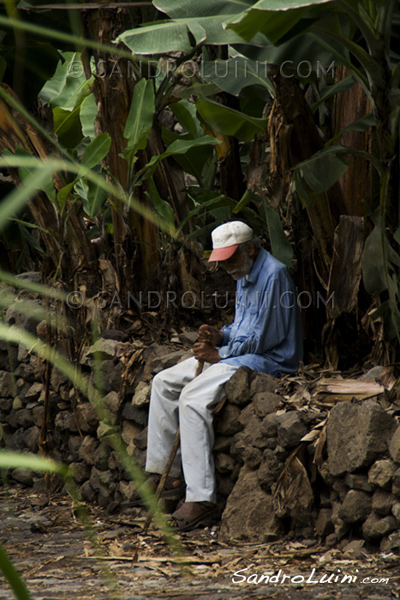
(256, 268)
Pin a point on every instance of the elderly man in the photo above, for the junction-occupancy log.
(265, 335)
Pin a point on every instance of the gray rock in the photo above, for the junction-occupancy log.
(340, 526)
(102, 349)
(113, 402)
(24, 418)
(357, 435)
(237, 389)
(339, 488)
(74, 444)
(31, 438)
(38, 415)
(111, 376)
(14, 316)
(356, 507)
(165, 361)
(249, 513)
(25, 476)
(391, 543)
(6, 384)
(99, 478)
(102, 455)
(87, 492)
(25, 371)
(382, 502)
(355, 549)
(375, 527)
(269, 470)
(222, 443)
(357, 481)
(87, 449)
(34, 391)
(140, 440)
(290, 429)
(225, 484)
(127, 490)
(323, 524)
(58, 379)
(105, 433)
(269, 426)
(262, 382)
(396, 483)
(253, 435)
(80, 471)
(86, 417)
(265, 403)
(396, 510)
(246, 414)
(129, 431)
(142, 394)
(394, 446)
(65, 421)
(228, 420)
(188, 338)
(224, 463)
(136, 414)
(381, 473)
(252, 457)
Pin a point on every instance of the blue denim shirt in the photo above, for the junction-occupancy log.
(266, 334)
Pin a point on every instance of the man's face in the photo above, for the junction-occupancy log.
(239, 264)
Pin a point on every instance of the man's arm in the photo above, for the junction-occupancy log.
(270, 325)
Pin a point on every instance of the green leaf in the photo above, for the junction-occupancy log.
(324, 169)
(16, 200)
(13, 577)
(185, 112)
(274, 18)
(229, 121)
(235, 74)
(63, 194)
(96, 196)
(3, 67)
(140, 118)
(67, 126)
(68, 85)
(162, 207)
(280, 246)
(96, 150)
(87, 114)
(341, 86)
(188, 9)
(157, 39)
(373, 262)
(179, 146)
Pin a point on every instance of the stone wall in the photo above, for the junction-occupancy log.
(279, 469)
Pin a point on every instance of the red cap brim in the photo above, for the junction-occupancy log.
(219, 254)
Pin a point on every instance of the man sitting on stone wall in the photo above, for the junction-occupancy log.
(265, 335)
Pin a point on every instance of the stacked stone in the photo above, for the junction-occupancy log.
(349, 488)
(361, 475)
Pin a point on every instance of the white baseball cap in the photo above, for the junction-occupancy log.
(227, 237)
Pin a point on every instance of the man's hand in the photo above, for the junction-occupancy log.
(206, 353)
(208, 334)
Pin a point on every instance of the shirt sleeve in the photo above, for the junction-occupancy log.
(226, 332)
(268, 322)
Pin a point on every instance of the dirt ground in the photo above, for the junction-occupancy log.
(52, 551)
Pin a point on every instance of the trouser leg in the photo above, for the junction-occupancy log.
(196, 402)
(163, 415)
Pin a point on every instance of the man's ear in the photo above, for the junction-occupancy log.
(251, 249)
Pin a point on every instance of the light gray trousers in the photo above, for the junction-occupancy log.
(176, 397)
